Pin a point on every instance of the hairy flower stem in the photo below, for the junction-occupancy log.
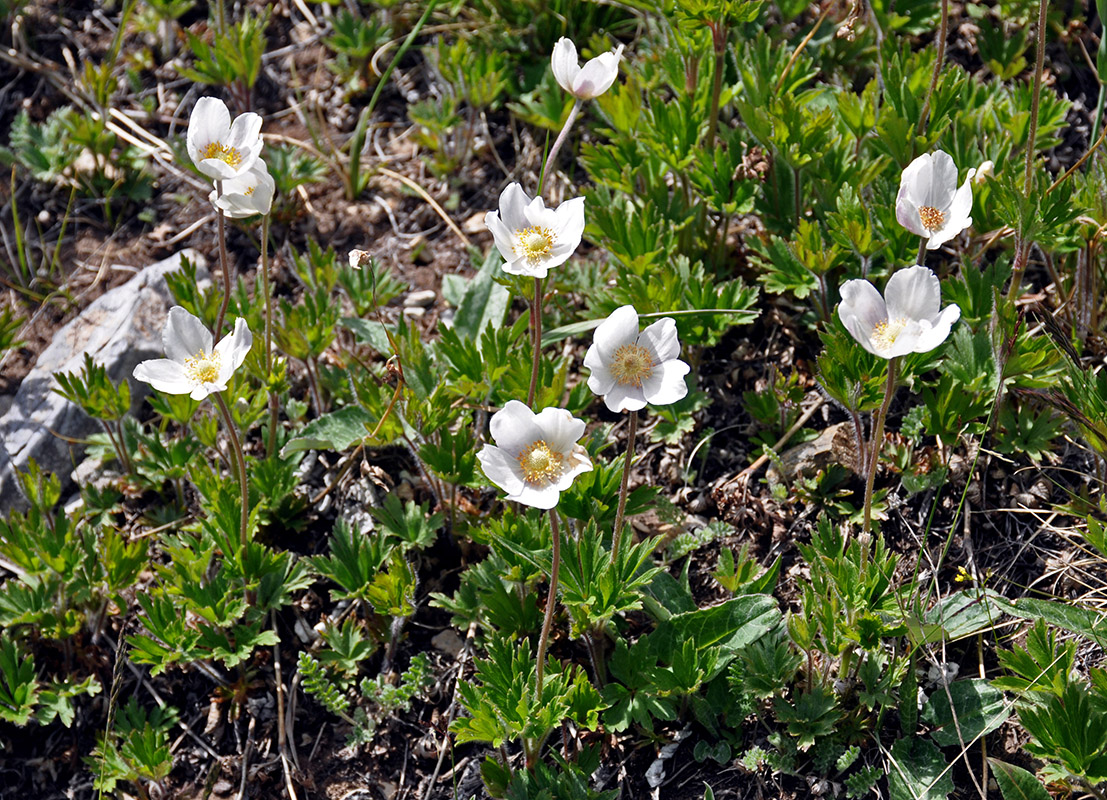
(617, 535)
(1022, 247)
(551, 601)
(878, 440)
(560, 140)
(240, 463)
(718, 40)
(224, 265)
(266, 290)
(920, 258)
(536, 342)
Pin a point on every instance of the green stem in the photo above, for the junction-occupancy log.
(617, 536)
(560, 140)
(943, 34)
(240, 462)
(1022, 248)
(877, 441)
(551, 601)
(271, 445)
(718, 39)
(536, 341)
(224, 265)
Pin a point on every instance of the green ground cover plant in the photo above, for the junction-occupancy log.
(691, 398)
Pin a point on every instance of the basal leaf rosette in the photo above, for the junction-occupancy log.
(535, 456)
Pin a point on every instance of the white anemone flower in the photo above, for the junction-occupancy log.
(631, 369)
(907, 319)
(536, 456)
(220, 149)
(591, 80)
(194, 367)
(247, 194)
(929, 203)
(531, 237)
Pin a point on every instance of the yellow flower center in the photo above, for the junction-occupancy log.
(632, 365)
(932, 218)
(885, 333)
(540, 464)
(220, 151)
(203, 367)
(533, 243)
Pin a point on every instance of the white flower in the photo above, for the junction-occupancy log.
(630, 368)
(906, 320)
(219, 149)
(591, 80)
(194, 367)
(246, 194)
(531, 237)
(536, 456)
(929, 203)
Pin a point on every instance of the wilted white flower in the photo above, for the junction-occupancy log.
(246, 194)
(631, 369)
(360, 258)
(194, 367)
(531, 237)
(983, 172)
(219, 149)
(536, 456)
(591, 80)
(906, 320)
(929, 203)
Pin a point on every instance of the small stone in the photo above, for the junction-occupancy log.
(448, 642)
(414, 312)
(424, 298)
(475, 223)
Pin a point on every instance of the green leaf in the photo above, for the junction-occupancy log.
(918, 771)
(338, 431)
(370, 332)
(484, 301)
(977, 707)
(1082, 621)
(1015, 783)
(729, 627)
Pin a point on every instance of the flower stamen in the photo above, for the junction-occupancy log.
(217, 150)
(632, 364)
(533, 243)
(885, 333)
(541, 465)
(932, 218)
(203, 367)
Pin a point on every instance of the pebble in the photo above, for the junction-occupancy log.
(414, 312)
(424, 298)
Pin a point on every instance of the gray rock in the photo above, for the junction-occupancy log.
(119, 329)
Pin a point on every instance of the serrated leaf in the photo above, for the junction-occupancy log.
(338, 431)
(484, 301)
(1015, 783)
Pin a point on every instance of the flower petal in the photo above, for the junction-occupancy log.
(619, 329)
(569, 224)
(185, 336)
(913, 293)
(564, 63)
(943, 181)
(514, 428)
(500, 468)
(576, 462)
(503, 237)
(209, 122)
(544, 497)
(660, 338)
(560, 429)
(935, 332)
(862, 309)
(624, 397)
(666, 383)
(164, 375)
(958, 217)
(245, 131)
(597, 75)
(513, 202)
(601, 380)
(233, 350)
